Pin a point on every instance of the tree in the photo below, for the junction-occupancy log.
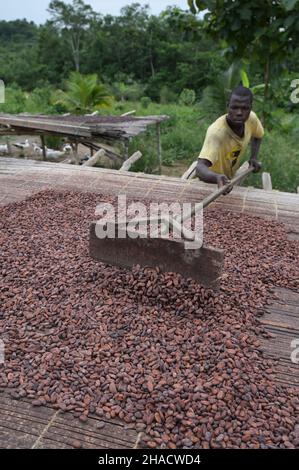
(264, 31)
(18, 52)
(53, 55)
(73, 20)
(83, 94)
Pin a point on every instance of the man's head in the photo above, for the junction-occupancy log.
(240, 104)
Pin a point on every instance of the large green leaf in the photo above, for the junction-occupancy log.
(244, 78)
(83, 94)
(258, 88)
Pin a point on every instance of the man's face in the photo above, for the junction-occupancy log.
(239, 109)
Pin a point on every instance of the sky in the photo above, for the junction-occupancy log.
(36, 10)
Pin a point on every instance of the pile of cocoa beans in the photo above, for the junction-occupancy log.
(180, 363)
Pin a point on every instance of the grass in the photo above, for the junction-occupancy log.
(279, 155)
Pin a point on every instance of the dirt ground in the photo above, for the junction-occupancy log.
(177, 170)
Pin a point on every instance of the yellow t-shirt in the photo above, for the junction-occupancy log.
(224, 149)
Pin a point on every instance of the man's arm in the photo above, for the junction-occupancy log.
(208, 176)
(255, 147)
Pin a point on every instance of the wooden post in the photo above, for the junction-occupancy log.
(159, 151)
(42, 138)
(190, 172)
(126, 149)
(9, 149)
(129, 113)
(75, 152)
(267, 182)
(240, 171)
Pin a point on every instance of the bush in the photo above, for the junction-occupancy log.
(167, 95)
(130, 91)
(187, 97)
(15, 100)
(36, 102)
(145, 101)
(40, 101)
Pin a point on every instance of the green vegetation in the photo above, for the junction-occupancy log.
(84, 94)
(178, 63)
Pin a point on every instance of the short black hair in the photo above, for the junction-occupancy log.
(242, 91)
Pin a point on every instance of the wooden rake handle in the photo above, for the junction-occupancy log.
(212, 197)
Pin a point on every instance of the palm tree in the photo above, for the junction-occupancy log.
(84, 94)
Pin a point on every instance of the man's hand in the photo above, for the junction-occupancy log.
(203, 172)
(222, 180)
(255, 147)
(256, 165)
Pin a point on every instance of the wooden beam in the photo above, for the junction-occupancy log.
(96, 145)
(106, 127)
(129, 113)
(128, 163)
(43, 124)
(94, 160)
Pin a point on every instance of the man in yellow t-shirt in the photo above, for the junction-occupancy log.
(227, 139)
